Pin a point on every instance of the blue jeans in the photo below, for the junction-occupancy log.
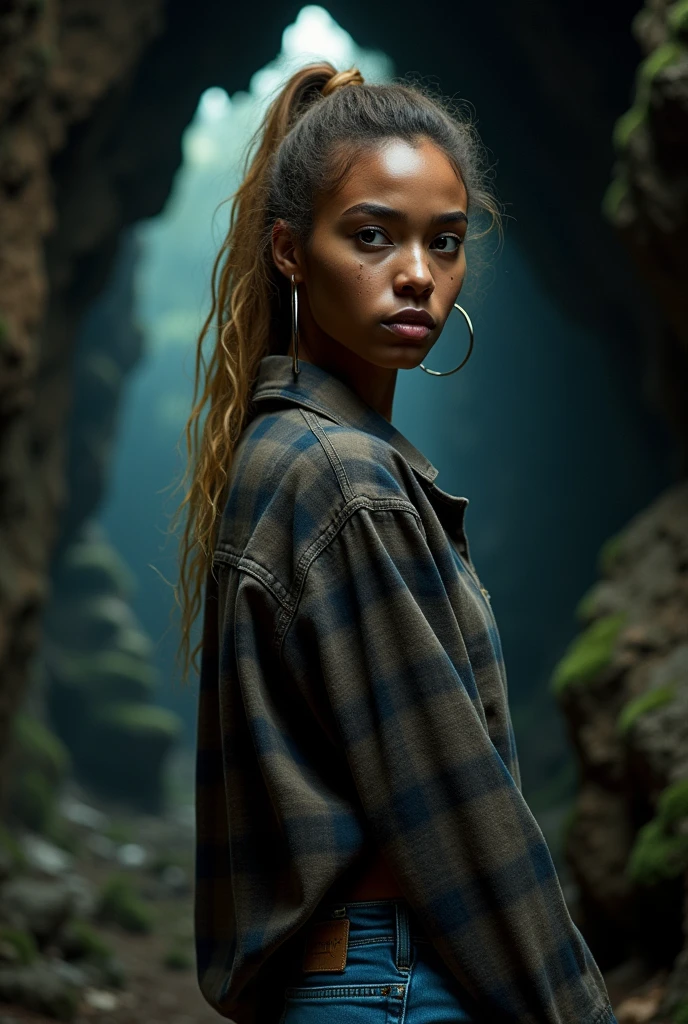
(392, 973)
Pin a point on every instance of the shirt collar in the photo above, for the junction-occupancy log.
(318, 389)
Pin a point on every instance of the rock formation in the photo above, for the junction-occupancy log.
(60, 63)
(623, 684)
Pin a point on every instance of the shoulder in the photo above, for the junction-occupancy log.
(295, 474)
(297, 456)
(365, 464)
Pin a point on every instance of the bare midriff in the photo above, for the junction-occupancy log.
(370, 880)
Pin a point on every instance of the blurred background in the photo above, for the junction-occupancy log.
(122, 131)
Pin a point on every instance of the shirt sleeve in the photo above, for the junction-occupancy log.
(374, 623)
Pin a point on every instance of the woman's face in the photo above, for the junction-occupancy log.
(390, 239)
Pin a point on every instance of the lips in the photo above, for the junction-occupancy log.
(411, 316)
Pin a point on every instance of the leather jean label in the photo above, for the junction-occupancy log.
(326, 947)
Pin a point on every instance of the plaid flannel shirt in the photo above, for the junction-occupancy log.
(353, 691)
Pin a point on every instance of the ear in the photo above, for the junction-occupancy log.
(286, 253)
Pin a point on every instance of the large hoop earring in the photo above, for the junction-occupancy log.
(295, 326)
(437, 373)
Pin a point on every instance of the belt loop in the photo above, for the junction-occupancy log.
(402, 950)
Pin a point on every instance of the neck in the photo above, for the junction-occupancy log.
(374, 384)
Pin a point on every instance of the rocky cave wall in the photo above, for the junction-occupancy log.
(58, 63)
(623, 684)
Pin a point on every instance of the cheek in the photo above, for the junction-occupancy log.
(339, 285)
(454, 279)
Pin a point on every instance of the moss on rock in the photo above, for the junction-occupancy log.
(585, 609)
(609, 553)
(589, 653)
(663, 57)
(136, 739)
(680, 1014)
(673, 804)
(120, 832)
(625, 125)
(677, 20)
(657, 856)
(177, 958)
(109, 675)
(141, 719)
(118, 903)
(615, 196)
(14, 855)
(40, 764)
(85, 683)
(640, 705)
(41, 748)
(20, 944)
(660, 853)
(33, 800)
(82, 942)
(134, 642)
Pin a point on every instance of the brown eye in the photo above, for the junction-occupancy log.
(371, 232)
(447, 240)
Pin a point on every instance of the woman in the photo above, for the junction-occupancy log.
(364, 852)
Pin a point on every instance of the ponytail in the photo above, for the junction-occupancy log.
(241, 311)
(320, 114)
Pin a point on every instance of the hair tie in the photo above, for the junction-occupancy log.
(352, 76)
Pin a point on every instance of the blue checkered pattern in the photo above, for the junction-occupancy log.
(353, 692)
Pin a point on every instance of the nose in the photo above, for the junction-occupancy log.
(414, 276)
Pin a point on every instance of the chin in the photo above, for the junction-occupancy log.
(408, 359)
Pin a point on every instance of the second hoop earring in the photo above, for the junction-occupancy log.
(295, 326)
(445, 373)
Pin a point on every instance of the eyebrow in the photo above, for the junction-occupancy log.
(378, 210)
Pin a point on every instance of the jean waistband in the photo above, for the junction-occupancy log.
(392, 918)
